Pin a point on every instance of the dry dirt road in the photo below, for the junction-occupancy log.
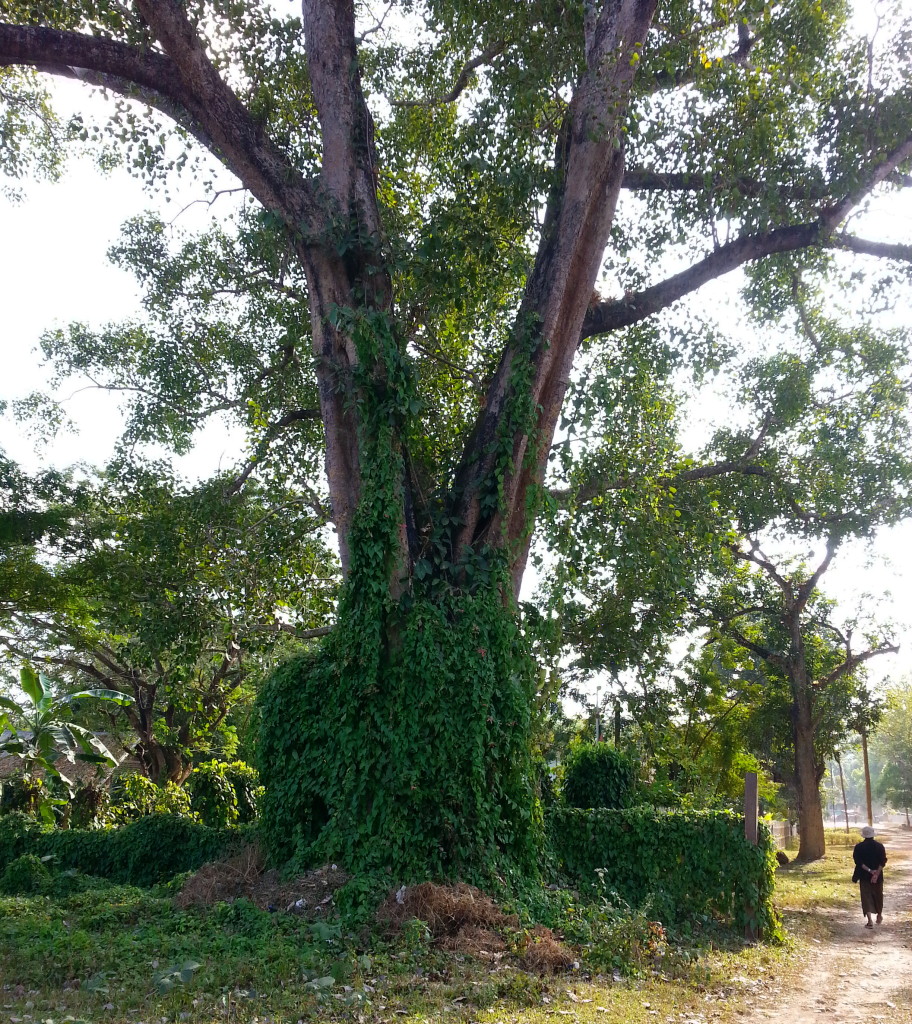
(858, 974)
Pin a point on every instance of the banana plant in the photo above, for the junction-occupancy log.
(40, 732)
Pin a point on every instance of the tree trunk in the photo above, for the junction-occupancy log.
(163, 764)
(812, 844)
(845, 803)
(867, 774)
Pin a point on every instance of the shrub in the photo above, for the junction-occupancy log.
(25, 875)
(21, 793)
(90, 805)
(598, 775)
(688, 864)
(224, 793)
(133, 796)
(19, 833)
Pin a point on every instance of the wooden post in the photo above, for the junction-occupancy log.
(752, 835)
(751, 808)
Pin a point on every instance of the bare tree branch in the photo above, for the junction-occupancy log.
(617, 313)
(599, 485)
(272, 432)
(462, 81)
(804, 592)
(755, 555)
(865, 247)
(181, 82)
(854, 660)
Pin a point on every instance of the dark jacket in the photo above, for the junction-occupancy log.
(868, 854)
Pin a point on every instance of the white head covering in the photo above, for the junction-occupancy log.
(869, 832)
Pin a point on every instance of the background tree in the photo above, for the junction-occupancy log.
(170, 594)
(892, 743)
(449, 197)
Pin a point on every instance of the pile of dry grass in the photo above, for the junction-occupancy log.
(242, 876)
(544, 953)
(445, 909)
(463, 919)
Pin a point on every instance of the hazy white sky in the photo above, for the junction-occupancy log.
(53, 271)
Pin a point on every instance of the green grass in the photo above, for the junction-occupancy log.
(822, 884)
(114, 954)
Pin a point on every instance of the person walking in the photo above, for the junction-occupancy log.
(870, 857)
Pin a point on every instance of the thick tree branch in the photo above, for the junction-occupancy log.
(866, 247)
(182, 82)
(854, 661)
(589, 168)
(804, 592)
(766, 653)
(617, 313)
(755, 555)
(835, 215)
(66, 53)
(245, 149)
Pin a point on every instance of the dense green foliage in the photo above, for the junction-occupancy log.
(151, 850)
(686, 864)
(41, 733)
(407, 288)
(598, 775)
(174, 594)
(26, 874)
(133, 796)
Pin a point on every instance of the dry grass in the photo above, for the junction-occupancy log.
(543, 953)
(445, 909)
(242, 876)
(463, 919)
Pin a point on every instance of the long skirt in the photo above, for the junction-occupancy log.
(871, 896)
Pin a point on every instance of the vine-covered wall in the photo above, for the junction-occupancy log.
(687, 863)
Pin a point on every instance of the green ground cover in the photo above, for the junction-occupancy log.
(87, 950)
(127, 955)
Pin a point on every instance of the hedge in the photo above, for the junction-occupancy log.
(148, 851)
(687, 863)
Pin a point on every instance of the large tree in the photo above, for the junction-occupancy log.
(445, 183)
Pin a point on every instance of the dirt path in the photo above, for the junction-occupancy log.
(859, 974)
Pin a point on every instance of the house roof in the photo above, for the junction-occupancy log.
(11, 765)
